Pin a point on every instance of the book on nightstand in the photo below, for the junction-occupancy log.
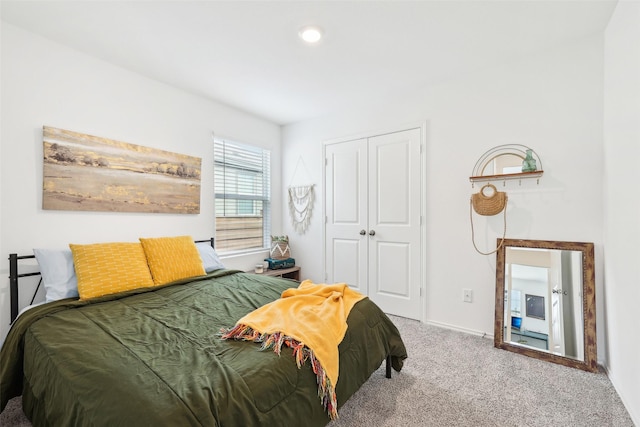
(276, 264)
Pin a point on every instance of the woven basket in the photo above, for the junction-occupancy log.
(489, 205)
(279, 248)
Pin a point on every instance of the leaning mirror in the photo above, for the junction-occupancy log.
(545, 301)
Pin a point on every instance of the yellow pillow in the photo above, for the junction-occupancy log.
(108, 268)
(172, 258)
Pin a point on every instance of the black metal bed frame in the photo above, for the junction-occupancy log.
(13, 282)
(14, 275)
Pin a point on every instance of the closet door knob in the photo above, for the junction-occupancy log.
(363, 232)
(372, 233)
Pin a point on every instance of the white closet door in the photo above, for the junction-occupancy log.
(372, 207)
(394, 222)
(346, 211)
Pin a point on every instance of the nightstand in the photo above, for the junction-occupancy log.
(286, 273)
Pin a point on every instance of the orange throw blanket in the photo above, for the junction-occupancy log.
(312, 320)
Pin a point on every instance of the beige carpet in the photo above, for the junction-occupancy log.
(455, 379)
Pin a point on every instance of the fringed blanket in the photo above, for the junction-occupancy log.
(312, 320)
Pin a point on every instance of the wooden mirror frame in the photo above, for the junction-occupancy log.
(588, 303)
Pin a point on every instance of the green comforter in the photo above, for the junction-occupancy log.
(154, 357)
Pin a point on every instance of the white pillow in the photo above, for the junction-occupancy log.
(210, 260)
(58, 274)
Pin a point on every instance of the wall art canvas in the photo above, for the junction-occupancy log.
(535, 306)
(90, 173)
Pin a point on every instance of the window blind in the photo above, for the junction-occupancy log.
(243, 193)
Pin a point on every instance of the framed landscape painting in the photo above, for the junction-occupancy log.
(90, 173)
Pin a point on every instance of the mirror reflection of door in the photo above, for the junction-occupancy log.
(543, 300)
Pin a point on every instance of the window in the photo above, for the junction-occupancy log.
(242, 187)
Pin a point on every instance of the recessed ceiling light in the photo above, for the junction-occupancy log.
(310, 34)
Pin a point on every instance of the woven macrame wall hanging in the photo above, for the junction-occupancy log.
(301, 199)
(301, 207)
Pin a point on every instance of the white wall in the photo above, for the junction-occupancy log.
(622, 202)
(44, 83)
(551, 101)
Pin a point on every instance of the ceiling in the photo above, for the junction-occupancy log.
(247, 54)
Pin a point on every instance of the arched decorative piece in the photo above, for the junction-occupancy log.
(507, 162)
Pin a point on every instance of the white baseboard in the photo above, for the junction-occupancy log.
(634, 417)
(459, 329)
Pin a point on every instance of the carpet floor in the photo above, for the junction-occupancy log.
(456, 379)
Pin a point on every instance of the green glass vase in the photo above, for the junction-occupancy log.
(529, 163)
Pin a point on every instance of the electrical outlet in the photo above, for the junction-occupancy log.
(467, 295)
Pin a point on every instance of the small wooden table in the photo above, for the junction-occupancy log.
(286, 273)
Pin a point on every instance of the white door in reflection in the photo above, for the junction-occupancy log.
(556, 342)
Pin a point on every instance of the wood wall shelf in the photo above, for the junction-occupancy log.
(510, 158)
(506, 177)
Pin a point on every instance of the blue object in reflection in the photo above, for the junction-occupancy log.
(516, 322)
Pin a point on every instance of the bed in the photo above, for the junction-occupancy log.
(153, 356)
